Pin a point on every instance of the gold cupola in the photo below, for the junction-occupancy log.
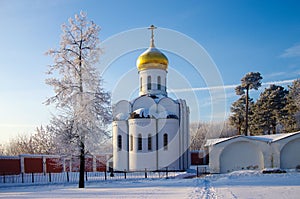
(152, 58)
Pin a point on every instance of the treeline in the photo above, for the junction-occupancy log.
(42, 141)
(277, 110)
(201, 131)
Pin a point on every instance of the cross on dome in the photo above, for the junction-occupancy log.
(152, 28)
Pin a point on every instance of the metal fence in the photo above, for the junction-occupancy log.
(69, 177)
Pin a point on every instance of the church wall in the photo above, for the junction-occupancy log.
(120, 157)
(184, 134)
(144, 158)
(122, 107)
(144, 102)
(167, 104)
(153, 73)
(168, 157)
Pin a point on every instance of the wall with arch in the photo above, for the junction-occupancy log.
(254, 152)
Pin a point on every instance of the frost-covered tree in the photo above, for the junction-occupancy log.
(42, 141)
(291, 122)
(201, 131)
(21, 144)
(250, 81)
(83, 105)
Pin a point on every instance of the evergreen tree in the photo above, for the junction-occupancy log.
(250, 81)
(83, 106)
(269, 110)
(237, 117)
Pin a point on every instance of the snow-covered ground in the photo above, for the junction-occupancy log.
(241, 184)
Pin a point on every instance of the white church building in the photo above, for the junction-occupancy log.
(152, 131)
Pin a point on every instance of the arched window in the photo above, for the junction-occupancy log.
(165, 141)
(149, 82)
(119, 142)
(158, 83)
(141, 84)
(149, 142)
(140, 142)
(131, 143)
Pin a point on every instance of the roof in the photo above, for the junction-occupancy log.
(263, 138)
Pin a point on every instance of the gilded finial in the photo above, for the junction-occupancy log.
(152, 27)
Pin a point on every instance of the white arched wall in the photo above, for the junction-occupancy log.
(144, 102)
(122, 107)
(169, 105)
(241, 155)
(289, 156)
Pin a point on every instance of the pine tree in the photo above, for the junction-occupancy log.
(237, 117)
(83, 105)
(250, 81)
(269, 111)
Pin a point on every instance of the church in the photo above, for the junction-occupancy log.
(151, 131)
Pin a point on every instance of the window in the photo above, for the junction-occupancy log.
(149, 142)
(119, 142)
(165, 141)
(141, 84)
(149, 83)
(131, 143)
(140, 142)
(158, 83)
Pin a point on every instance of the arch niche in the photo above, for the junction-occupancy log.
(241, 155)
(289, 156)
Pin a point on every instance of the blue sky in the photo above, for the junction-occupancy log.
(239, 36)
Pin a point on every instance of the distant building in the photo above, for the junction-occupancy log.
(254, 152)
(152, 131)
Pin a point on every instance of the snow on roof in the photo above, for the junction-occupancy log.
(211, 142)
(8, 157)
(263, 138)
(122, 116)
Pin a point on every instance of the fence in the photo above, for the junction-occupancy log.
(70, 177)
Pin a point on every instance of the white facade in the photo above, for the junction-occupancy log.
(254, 152)
(152, 131)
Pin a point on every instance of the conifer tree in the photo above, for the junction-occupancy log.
(237, 117)
(250, 81)
(269, 111)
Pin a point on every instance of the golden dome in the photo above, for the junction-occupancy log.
(152, 58)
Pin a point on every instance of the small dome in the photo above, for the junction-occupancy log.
(152, 58)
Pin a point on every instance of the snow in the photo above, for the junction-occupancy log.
(264, 138)
(239, 184)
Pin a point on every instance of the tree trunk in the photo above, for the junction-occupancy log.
(247, 109)
(82, 166)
